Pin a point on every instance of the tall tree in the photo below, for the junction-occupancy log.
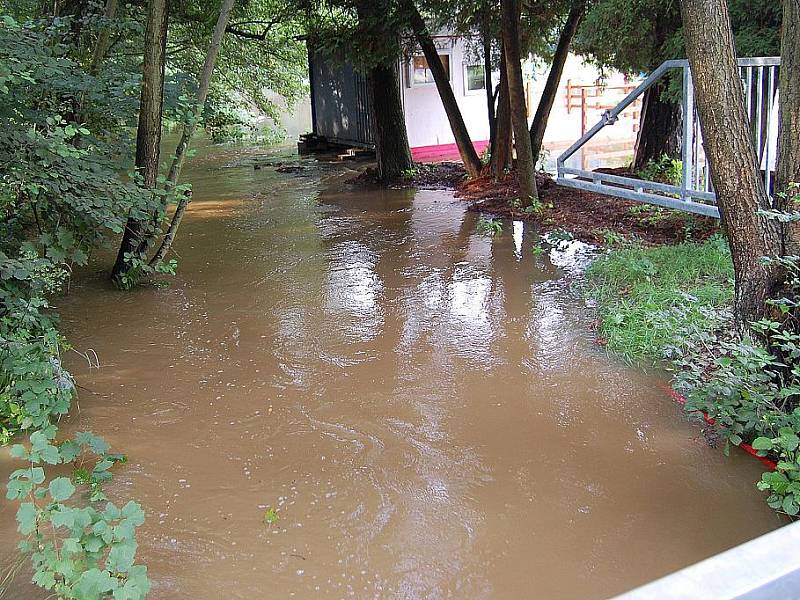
(486, 39)
(516, 91)
(553, 82)
(731, 154)
(386, 102)
(501, 151)
(636, 37)
(788, 167)
(148, 134)
(472, 163)
(187, 134)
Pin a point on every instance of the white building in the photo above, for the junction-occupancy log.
(340, 110)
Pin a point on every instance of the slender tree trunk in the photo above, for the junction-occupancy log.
(487, 74)
(104, 39)
(148, 135)
(472, 163)
(516, 92)
(659, 128)
(788, 164)
(729, 148)
(501, 153)
(187, 134)
(553, 83)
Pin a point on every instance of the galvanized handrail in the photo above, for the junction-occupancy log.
(695, 194)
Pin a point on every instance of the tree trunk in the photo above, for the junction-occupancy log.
(472, 163)
(516, 92)
(384, 94)
(788, 164)
(729, 148)
(188, 132)
(501, 152)
(148, 134)
(389, 123)
(553, 83)
(659, 128)
(487, 74)
(103, 40)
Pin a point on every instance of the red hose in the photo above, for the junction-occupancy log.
(746, 447)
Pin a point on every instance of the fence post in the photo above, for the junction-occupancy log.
(688, 133)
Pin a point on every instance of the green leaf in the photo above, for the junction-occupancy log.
(762, 443)
(61, 489)
(790, 507)
(94, 583)
(121, 557)
(63, 518)
(26, 518)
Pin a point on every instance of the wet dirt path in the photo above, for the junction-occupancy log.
(424, 406)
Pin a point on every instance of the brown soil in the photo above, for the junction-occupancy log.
(594, 218)
(445, 175)
(591, 217)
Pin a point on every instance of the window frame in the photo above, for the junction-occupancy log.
(481, 90)
(410, 70)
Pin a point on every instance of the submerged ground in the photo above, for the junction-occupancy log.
(424, 408)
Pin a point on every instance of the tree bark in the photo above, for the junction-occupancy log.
(729, 148)
(659, 129)
(487, 75)
(384, 95)
(389, 123)
(472, 163)
(501, 152)
(788, 164)
(553, 82)
(148, 134)
(516, 92)
(188, 132)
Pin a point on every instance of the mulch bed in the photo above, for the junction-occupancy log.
(588, 216)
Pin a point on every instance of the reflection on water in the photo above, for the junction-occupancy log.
(424, 407)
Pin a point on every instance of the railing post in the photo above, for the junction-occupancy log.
(688, 133)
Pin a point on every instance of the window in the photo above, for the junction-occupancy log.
(474, 79)
(420, 71)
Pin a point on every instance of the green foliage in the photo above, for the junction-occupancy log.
(665, 170)
(81, 546)
(649, 296)
(489, 226)
(270, 516)
(64, 144)
(672, 302)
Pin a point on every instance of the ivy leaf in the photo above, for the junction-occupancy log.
(61, 489)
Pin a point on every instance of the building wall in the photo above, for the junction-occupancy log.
(428, 125)
(425, 117)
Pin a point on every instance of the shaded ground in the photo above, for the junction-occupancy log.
(591, 217)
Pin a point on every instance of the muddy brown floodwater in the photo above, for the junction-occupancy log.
(424, 406)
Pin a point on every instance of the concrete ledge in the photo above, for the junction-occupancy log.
(766, 568)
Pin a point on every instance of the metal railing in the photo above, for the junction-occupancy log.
(695, 194)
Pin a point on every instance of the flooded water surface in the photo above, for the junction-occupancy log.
(424, 408)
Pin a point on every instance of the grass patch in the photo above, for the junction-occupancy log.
(647, 297)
